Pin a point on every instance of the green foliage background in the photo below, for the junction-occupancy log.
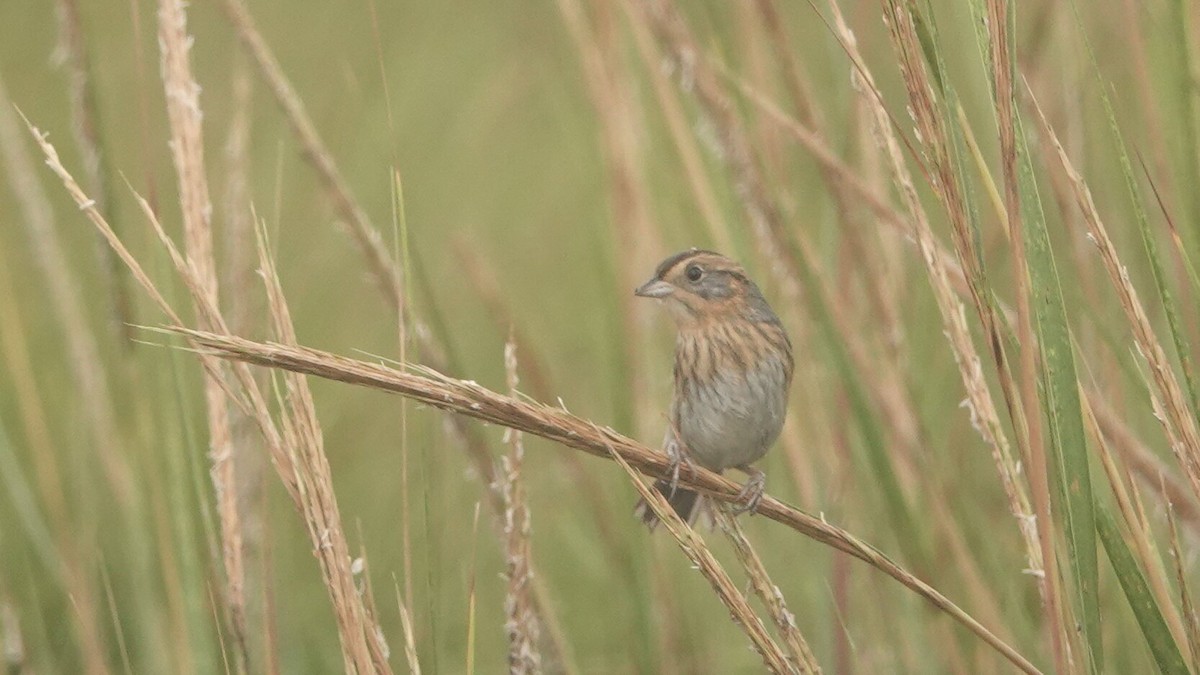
(484, 110)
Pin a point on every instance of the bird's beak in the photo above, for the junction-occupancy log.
(655, 288)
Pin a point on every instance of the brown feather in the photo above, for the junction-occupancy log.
(733, 367)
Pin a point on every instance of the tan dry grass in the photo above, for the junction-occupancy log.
(520, 607)
(1168, 399)
(1186, 606)
(695, 548)
(238, 281)
(1140, 535)
(182, 94)
(785, 621)
(1153, 472)
(1125, 441)
(294, 444)
(1035, 446)
(533, 368)
(470, 399)
(939, 268)
(940, 173)
(789, 252)
(410, 641)
(1149, 470)
(374, 252)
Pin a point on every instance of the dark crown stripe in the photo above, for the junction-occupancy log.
(668, 264)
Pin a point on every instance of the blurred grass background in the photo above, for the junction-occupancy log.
(485, 111)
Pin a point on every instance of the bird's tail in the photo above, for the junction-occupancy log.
(687, 503)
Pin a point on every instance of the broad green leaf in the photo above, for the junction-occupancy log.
(1071, 479)
(1154, 627)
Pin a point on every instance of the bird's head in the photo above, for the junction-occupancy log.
(699, 286)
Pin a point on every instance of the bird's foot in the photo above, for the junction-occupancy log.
(677, 456)
(752, 492)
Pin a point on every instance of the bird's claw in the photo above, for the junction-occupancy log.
(751, 494)
(676, 457)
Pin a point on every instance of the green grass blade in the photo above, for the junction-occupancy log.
(14, 482)
(1071, 478)
(1184, 90)
(927, 31)
(1176, 238)
(190, 513)
(1154, 627)
(1174, 323)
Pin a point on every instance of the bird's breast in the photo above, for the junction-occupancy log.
(732, 416)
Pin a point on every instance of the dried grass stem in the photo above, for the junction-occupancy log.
(472, 400)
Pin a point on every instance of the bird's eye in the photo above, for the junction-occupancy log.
(694, 273)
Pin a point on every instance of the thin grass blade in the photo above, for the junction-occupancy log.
(1154, 627)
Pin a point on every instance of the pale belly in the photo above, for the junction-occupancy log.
(735, 420)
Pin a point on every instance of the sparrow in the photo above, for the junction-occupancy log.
(733, 370)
